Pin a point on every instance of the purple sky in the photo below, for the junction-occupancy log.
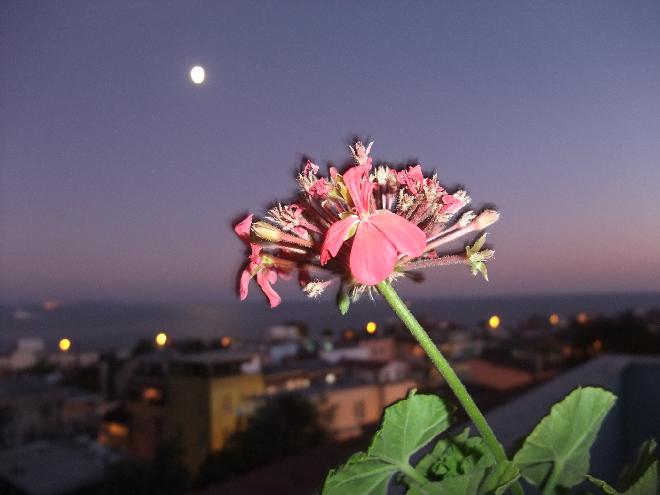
(119, 177)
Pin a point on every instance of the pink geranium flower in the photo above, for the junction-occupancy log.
(359, 228)
(380, 236)
(258, 266)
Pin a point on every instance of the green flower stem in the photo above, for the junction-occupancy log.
(445, 369)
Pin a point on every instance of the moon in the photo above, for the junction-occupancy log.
(197, 74)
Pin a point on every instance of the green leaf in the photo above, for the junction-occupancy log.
(648, 483)
(644, 459)
(483, 481)
(464, 465)
(407, 426)
(557, 451)
(360, 474)
(454, 456)
(476, 258)
(638, 478)
(476, 247)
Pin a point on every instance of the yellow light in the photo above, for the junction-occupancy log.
(554, 319)
(494, 322)
(65, 345)
(225, 341)
(582, 318)
(161, 339)
(371, 327)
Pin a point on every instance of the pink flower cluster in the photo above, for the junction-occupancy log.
(361, 227)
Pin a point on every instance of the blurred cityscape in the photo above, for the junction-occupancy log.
(237, 415)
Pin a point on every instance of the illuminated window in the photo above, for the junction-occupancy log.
(151, 394)
(117, 429)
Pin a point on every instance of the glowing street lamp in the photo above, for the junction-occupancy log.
(225, 341)
(161, 339)
(554, 319)
(582, 318)
(371, 327)
(64, 345)
(494, 322)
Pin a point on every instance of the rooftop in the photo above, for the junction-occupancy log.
(44, 468)
(214, 357)
(21, 386)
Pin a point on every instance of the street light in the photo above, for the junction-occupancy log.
(161, 339)
(65, 345)
(494, 322)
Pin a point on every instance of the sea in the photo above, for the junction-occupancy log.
(99, 325)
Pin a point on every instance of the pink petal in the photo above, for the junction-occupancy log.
(264, 279)
(320, 189)
(244, 282)
(372, 256)
(359, 186)
(406, 237)
(451, 204)
(335, 237)
(310, 167)
(242, 229)
(412, 178)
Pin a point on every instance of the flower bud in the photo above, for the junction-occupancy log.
(466, 218)
(485, 219)
(267, 231)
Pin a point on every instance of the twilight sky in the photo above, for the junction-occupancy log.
(119, 177)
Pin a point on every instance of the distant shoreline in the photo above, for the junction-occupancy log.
(108, 325)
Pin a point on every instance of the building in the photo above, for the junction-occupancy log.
(136, 426)
(209, 396)
(35, 407)
(298, 375)
(347, 407)
(27, 353)
(373, 371)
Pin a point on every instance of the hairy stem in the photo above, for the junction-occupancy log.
(450, 259)
(447, 372)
